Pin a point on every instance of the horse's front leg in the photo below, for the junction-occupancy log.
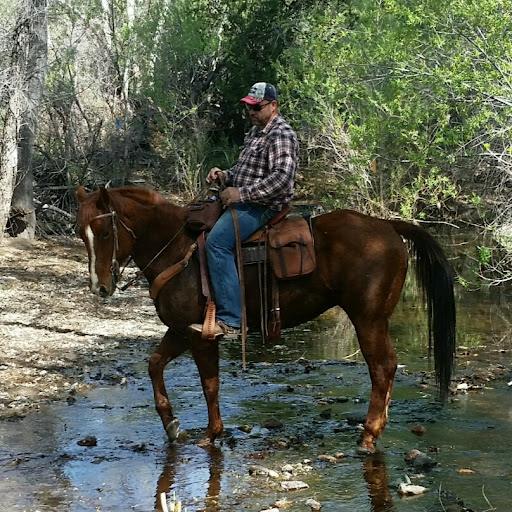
(206, 356)
(171, 346)
(380, 356)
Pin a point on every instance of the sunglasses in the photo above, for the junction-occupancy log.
(257, 107)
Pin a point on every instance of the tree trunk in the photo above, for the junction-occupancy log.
(9, 156)
(34, 65)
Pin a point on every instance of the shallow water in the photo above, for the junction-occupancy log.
(298, 382)
(44, 468)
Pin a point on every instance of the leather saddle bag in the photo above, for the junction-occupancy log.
(290, 248)
(202, 215)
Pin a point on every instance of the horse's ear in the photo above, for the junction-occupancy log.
(81, 194)
(104, 199)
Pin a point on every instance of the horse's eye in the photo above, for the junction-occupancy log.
(105, 235)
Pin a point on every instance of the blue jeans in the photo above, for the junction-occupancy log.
(220, 253)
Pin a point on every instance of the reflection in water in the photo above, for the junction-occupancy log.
(376, 475)
(168, 478)
(177, 464)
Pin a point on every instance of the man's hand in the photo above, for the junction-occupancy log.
(215, 174)
(230, 195)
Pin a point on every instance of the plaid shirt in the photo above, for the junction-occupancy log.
(267, 165)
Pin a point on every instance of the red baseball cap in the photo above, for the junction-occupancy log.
(260, 91)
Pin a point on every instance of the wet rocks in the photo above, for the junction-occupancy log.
(344, 427)
(409, 489)
(88, 441)
(411, 455)
(294, 485)
(462, 387)
(291, 471)
(465, 471)
(271, 423)
(262, 471)
(418, 430)
(308, 365)
(287, 471)
(140, 448)
(283, 503)
(287, 477)
(256, 456)
(313, 504)
(332, 459)
(419, 460)
(326, 414)
(423, 461)
(356, 418)
(278, 443)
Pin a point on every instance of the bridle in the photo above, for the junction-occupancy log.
(114, 264)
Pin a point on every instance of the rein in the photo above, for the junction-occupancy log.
(140, 273)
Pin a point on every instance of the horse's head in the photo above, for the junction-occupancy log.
(108, 239)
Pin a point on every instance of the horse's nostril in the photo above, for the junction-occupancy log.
(103, 291)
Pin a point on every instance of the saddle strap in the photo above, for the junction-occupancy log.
(274, 324)
(205, 286)
(208, 331)
(165, 276)
(240, 264)
(262, 281)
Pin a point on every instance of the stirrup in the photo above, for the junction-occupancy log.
(219, 332)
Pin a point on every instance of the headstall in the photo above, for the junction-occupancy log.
(114, 265)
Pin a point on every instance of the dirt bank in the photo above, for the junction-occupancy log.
(54, 334)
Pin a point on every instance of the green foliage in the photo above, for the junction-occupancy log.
(463, 282)
(475, 200)
(417, 83)
(418, 87)
(484, 256)
(426, 195)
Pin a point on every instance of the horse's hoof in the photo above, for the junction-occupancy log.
(173, 429)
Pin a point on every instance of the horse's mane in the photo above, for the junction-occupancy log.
(144, 196)
(119, 198)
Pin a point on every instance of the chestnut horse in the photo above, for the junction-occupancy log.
(361, 266)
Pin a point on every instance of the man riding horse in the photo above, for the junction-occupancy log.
(259, 186)
(361, 265)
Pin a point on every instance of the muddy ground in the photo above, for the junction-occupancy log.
(55, 336)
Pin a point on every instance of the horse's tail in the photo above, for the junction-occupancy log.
(435, 277)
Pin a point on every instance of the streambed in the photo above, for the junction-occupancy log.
(313, 383)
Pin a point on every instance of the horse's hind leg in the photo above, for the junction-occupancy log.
(380, 356)
(170, 347)
(206, 356)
